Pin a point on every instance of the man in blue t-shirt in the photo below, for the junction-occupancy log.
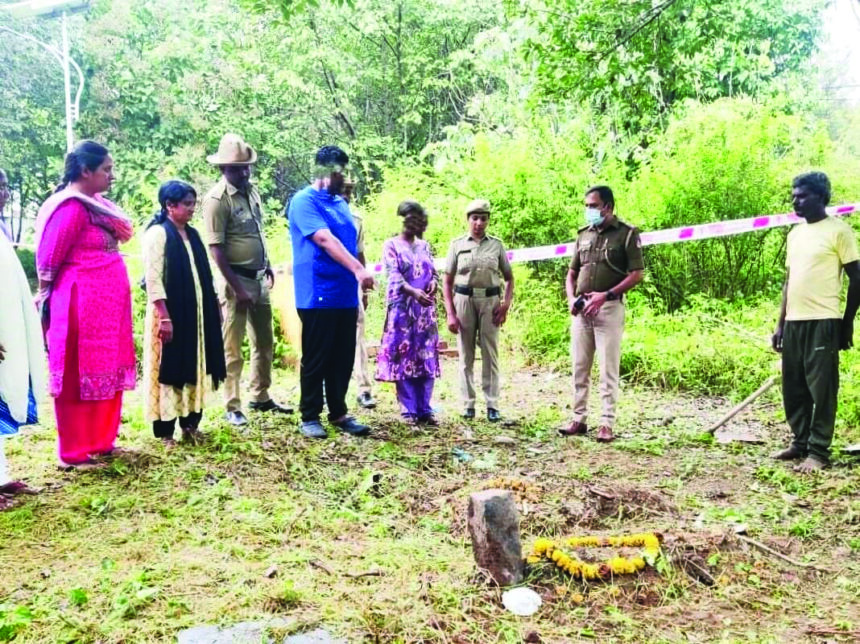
(326, 273)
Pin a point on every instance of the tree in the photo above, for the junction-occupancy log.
(32, 138)
(635, 59)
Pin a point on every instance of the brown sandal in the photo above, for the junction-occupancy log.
(17, 487)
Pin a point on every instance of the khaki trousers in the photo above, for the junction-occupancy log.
(257, 320)
(600, 334)
(476, 321)
(362, 376)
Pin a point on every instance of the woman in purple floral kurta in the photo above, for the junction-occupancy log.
(409, 353)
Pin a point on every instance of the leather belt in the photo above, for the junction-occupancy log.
(249, 273)
(478, 292)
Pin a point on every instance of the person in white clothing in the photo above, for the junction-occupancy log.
(22, 358)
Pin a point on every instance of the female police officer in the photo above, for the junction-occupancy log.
(476, 266)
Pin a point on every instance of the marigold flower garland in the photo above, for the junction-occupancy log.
(546, 548)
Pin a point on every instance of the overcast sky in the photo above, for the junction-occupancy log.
(840, 55)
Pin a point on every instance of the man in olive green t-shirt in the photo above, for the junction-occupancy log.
(811, 331)
(607, 262)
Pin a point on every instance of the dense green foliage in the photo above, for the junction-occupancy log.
(635, 60)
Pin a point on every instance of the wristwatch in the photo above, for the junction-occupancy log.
(610, 295)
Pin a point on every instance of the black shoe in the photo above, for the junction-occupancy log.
(366, 401)
(469, 414)
(236, 418)
(493, 415)
(270, 405)
(351, 426)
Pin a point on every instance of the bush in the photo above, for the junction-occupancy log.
(727, 160)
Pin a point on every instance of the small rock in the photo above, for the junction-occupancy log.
(504, 440)
(461, 455)
(205, 634)
(532, 637)
(852, 450)
(46, 574)
(242, 633)
(245, 633)
(495, 531)
(319, 636)
(521, 601)
(271, 572)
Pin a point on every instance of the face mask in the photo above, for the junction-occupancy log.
(593, 217)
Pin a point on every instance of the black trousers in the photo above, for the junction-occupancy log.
(810, 383)
(164, 428)
(328, 353)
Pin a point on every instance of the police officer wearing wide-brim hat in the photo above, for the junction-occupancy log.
(606, 263)
(477, 265)
(233, 219)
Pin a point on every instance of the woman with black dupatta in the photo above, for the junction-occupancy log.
(183, 353)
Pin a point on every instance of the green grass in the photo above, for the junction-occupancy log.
(168, 540)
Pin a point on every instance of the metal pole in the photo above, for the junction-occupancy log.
(70, 134)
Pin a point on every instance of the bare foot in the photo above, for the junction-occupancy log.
(6, 502)
(809, 466)
(89, 464)
(788, 454)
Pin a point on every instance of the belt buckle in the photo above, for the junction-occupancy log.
(479, 292)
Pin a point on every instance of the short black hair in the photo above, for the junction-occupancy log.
(605, 193)
(331, 155)
(816, 182)
(407, 207)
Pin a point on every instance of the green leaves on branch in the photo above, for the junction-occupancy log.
(635, 59)
(290, 8)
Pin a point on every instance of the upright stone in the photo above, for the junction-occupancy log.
(495, 530)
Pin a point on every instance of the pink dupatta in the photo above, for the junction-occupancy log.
(103, 213)
(77, 256)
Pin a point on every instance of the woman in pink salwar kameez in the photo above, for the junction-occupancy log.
(86, 306)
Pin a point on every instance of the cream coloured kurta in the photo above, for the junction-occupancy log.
(165, 402)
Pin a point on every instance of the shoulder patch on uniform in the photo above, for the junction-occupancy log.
(216, 192)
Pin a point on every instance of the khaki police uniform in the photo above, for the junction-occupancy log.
(234, 220)
(362, 375)
(479, 267)
(601, 260)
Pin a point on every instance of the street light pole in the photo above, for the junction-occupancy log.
(48, 8)
(71, 116)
